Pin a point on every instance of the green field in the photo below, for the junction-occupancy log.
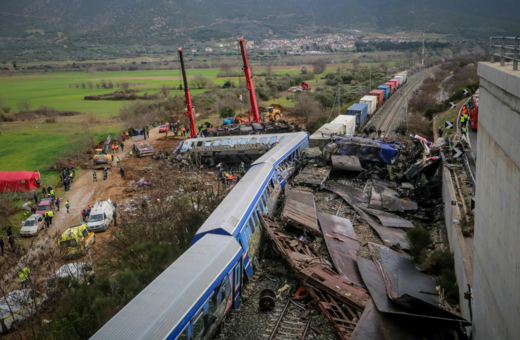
(34, 145)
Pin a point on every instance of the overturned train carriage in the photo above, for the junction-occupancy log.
(230, 149)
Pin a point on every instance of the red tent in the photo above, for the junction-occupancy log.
(15, 181)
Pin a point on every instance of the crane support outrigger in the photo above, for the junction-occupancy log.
(249, 81)
(189, 106)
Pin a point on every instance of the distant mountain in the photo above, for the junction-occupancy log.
(92, 23)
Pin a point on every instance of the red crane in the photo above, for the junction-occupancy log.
(249, 81)
(189, 107)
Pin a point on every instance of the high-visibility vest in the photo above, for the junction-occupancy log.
(465, 116)
(131, 152)
(51, 214)
(67, 203)
(51, 192)
(462, 119)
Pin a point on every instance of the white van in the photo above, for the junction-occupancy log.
(100, 216)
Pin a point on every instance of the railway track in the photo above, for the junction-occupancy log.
(286, 324)
(385, 119)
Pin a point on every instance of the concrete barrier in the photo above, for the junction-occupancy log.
(452, 216)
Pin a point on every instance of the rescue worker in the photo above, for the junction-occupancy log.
(2, 245)
(230, 178)
(112, 147)
(126, 133)
(66, 183)
(464, 130)
(9, 232)
(67, 205)
(114, 217)
(105, 173)
(123, 146)
(122, 172)
(131, 154)
(10, 239)
(241, 167)
(379, 133)
(222, 178)
(47, 220)
(94, 176)
(58, 203)
(37, 182)
(44, 192)
(24, 277)
(51, 215)
(36, 197)
(183, 131)
(463, 121)
(71, 177)
(51, 193)
(117, 160)
(117, 147)
(440, 132)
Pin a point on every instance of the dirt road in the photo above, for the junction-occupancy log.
(85, 192)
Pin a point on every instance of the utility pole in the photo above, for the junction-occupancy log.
(338, 94)
(370, 69)
(423, 49)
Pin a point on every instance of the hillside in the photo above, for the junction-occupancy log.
(33, 24)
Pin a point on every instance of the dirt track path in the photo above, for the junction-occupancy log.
(83, 192)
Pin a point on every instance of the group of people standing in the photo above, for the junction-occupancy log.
(67, 177)
(227, 177)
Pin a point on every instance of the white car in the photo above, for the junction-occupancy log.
(32, 225)
(77, 272)
(18, 306)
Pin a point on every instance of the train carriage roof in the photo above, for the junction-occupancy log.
(167, 302)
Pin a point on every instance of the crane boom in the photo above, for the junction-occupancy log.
(249, 81)
(189, 107)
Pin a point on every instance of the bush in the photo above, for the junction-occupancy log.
(441, 264)
(227, 111)
(8, 117)
(50, 120)
(419, 240)
(6, 109)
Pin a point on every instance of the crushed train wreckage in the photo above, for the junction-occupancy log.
(279, 126)
(377, 292)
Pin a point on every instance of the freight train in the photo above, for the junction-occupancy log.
(371, 102)
(190, 298)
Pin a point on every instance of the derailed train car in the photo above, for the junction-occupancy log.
(190, 298)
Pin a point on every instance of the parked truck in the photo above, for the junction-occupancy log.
(140, 146)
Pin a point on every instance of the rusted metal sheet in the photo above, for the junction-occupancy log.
(349, 163)
(378, 291)
(300, 208)
(351, 195)
(388, 219)
(383, 326)
(342, 244)
(342, 317)
(406, 284)
(384, 196)
(294, 251)
(323, 277)
(393, 238)
(396, 204)
(313, 176)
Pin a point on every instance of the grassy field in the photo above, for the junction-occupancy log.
(34, 145)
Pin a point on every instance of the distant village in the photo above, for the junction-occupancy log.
(329, 43)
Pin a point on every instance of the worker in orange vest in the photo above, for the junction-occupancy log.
(230, 178)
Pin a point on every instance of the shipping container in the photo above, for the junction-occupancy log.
(360, 111)
(385, 88)
(380, 94)
(342, 125)
(404, 74)
(392, 86)
(371, 102)
(396, 83)
(401, 79)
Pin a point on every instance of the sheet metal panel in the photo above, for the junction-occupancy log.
(301, 208)
(388, 219)
(391, 237)
(313, 176)
(343, 252)
(178, 291)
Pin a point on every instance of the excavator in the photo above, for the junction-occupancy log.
(102, 157)
(271, 114)
(189, 107)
